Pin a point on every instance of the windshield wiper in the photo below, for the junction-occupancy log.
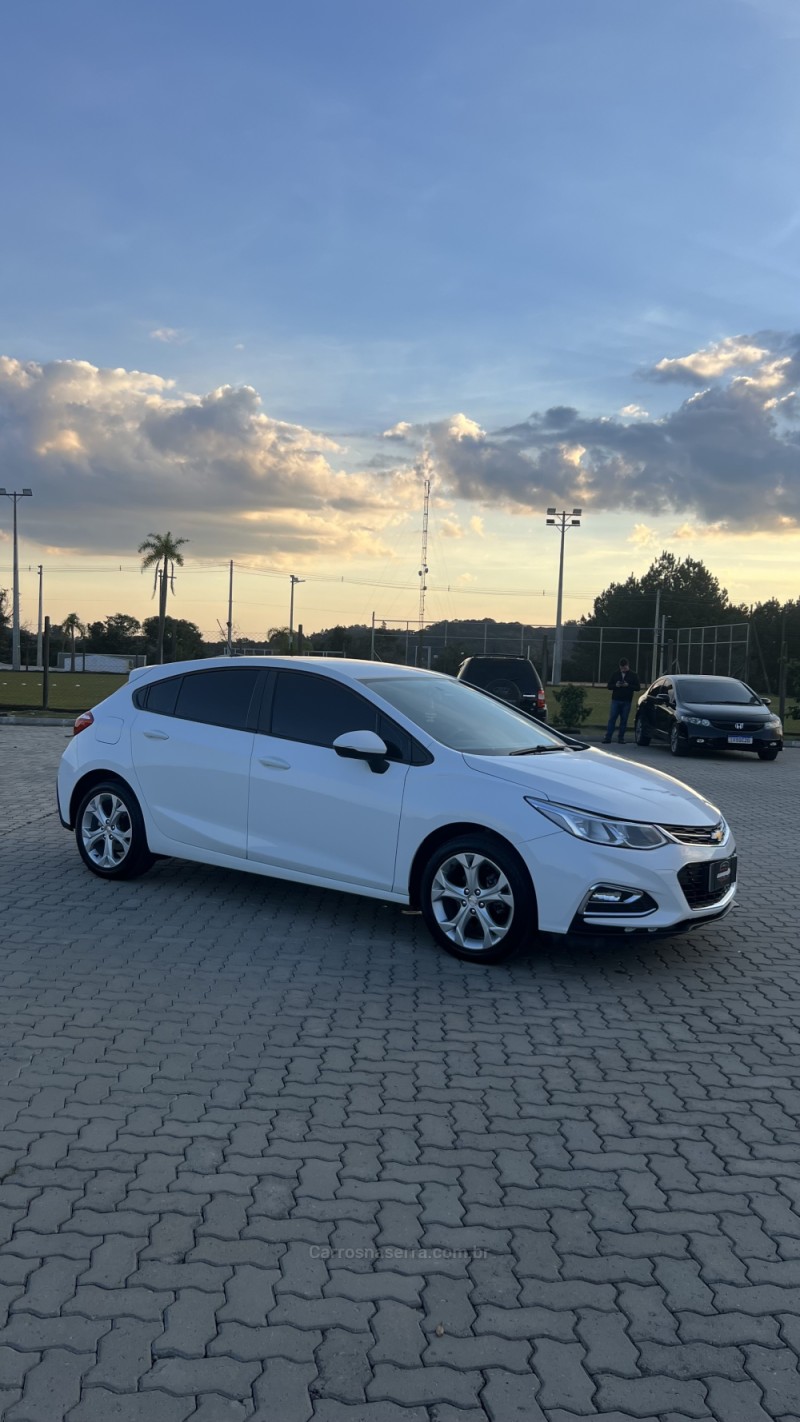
(537, 750)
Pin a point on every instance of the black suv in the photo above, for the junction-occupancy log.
(707, 713)
(513, 679)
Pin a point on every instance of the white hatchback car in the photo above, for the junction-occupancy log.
(393, 782)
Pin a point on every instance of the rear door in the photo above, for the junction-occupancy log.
(191, 745)
(311, 810)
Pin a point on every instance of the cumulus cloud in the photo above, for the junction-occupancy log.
(729, 454)
(634, 412)
(110, 453)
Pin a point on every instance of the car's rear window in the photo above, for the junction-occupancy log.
(484, 672)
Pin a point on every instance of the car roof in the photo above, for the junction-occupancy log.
(344, 668)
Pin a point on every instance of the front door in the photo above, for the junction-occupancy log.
(311, 810)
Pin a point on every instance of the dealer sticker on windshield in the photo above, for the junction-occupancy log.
(740, 740)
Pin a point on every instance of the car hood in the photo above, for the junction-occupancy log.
(719, 712)
(592, 780)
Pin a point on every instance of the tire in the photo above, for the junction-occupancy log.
(507, 690)
(768, 754)
(678, 744)
(639, 734)
(477, 864)
(110, 832)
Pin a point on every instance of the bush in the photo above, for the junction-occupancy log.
(572, 709)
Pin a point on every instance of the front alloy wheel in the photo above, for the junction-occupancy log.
(476, 899)
(110, 832)
(678, 744)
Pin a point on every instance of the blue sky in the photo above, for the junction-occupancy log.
(376, 213)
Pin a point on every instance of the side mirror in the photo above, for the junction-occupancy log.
(766, 700)
(363, 745)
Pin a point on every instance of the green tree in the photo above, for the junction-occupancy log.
(120, 633)
(690, 596)
(184, 639)
(162, 552)
(73, 627)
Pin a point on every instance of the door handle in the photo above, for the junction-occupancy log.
(156, 735)
(272, 763)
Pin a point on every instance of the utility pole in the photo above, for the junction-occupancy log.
(423, 565)
(229, 647)
(782, 664)
(293, 580)
(561, 521)
(654, 669)
(15, 658)
(40, 571)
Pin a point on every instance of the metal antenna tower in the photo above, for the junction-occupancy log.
(423, 569)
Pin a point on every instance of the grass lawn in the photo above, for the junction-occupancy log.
(69, 691)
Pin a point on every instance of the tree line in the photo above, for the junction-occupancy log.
(689, 596)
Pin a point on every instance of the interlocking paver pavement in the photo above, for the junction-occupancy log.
(266, 1153)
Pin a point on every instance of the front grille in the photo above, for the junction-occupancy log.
(696, 834)
(693, 879)
(738, 728)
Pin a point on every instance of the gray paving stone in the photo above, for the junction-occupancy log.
(100, 1403)
(283, 1390)
(509, 1397)
(52, 1387)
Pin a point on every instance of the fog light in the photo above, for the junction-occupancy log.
(616, 899)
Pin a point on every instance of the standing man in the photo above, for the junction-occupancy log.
(622, 686)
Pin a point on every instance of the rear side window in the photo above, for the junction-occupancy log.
(219, 697)
(160, 696)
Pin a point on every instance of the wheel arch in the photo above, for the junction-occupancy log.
(87, 782)
(452, 831)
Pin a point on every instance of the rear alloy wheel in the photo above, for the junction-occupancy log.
(476, 899)
(639, 734)
(678, 744)
(110, 832)
(768, 753)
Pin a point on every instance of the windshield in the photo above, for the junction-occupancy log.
(462, 718)
(718, 691)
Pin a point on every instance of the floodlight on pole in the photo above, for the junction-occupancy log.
(561, 520)
(15, 656)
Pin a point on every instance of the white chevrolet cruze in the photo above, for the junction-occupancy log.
(393, 782)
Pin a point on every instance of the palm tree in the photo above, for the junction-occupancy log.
(73, 627)
(162, 551)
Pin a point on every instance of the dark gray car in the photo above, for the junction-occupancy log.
(707, 713)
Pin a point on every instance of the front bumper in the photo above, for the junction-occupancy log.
(710, 738)
(565, 870)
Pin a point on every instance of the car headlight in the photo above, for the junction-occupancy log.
(623, 834)
(696, 721)
(775, 722)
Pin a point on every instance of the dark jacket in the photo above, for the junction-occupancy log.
(622, 685)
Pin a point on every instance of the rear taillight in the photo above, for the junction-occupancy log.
(540, 701)
(85, 719)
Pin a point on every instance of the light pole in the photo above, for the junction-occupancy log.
(292, 580)
(562, 521)
(15, 659)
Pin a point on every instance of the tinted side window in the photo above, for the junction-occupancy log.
(219, 697)
(316, 710)
(160, 696)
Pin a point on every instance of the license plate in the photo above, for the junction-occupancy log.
(740, 740)
(721, 874)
